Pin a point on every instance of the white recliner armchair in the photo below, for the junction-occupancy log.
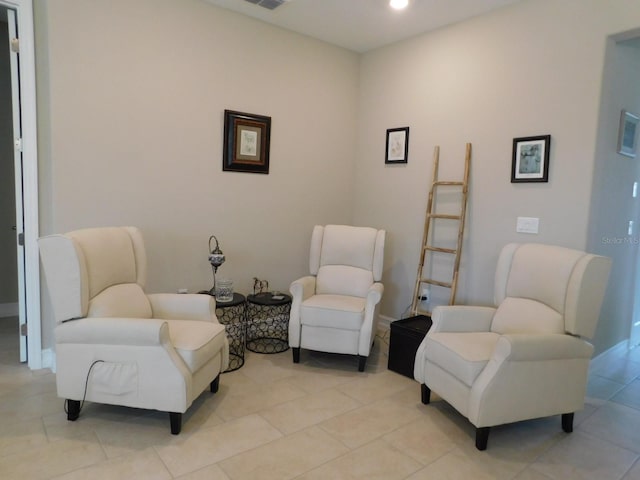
(335, 309)
(525, 358)
(115, 344)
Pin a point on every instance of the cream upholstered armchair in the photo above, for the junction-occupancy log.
(117, 345)
(335, 309)
(527, 357)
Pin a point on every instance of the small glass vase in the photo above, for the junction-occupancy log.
(224, 290)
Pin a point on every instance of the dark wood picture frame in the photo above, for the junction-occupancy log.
(397, 146)
(530, 160)
(246, 142)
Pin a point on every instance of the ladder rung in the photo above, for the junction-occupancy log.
(440, 215)
(439, 182)
(441, 250)
(435, 282)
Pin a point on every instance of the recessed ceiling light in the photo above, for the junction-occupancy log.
(398, 4)
(270, 4)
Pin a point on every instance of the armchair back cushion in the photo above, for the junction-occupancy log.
(346, 260)
(548, 289)
(124, 300)
(101, 273)
(523, 315)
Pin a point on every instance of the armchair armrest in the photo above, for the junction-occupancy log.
(303, 288)
(370, 323)
(114, 331)
(459, 318)
(300, 290)
(374, 295)
(132, 361)
(541, 347)
(180, 306)
(521, 367)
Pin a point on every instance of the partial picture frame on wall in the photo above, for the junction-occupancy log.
(530, 159)
(628, 134)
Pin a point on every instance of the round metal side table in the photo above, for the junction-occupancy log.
(268, 322)
(232, 315)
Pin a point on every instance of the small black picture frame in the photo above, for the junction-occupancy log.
(397, 147)
(530, 161)
(246, 142)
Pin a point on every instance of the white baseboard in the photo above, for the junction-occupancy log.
(49, 359)
(9, 309)
(622, 346)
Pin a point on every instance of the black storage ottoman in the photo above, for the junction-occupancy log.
(406, 336)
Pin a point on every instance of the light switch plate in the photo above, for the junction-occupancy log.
(527, 225)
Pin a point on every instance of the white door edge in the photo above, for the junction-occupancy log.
(24, 11)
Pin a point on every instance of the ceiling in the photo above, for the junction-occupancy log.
(363, 25)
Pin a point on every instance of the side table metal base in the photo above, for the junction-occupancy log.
(268, 345)
(232, 316)
(268, 323)
(235, 335)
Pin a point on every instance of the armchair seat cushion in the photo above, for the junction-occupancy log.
(320, 311)
(463, 355)
(195, 341)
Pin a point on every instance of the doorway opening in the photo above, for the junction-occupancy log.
(9, 296)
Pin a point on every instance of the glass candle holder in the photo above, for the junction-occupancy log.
(224, 290)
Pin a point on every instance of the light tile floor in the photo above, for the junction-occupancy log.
(320, 419)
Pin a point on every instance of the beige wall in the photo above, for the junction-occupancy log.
(132, 129)
(133, 135)
(533, 68)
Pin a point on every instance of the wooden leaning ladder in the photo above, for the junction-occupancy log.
(431, 215)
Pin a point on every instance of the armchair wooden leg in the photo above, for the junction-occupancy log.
(425, 393)
(567, 422)
(73, 410)
(176, 422)
(482, 437)
(362, 361)
(296, 354)
(215, 384)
